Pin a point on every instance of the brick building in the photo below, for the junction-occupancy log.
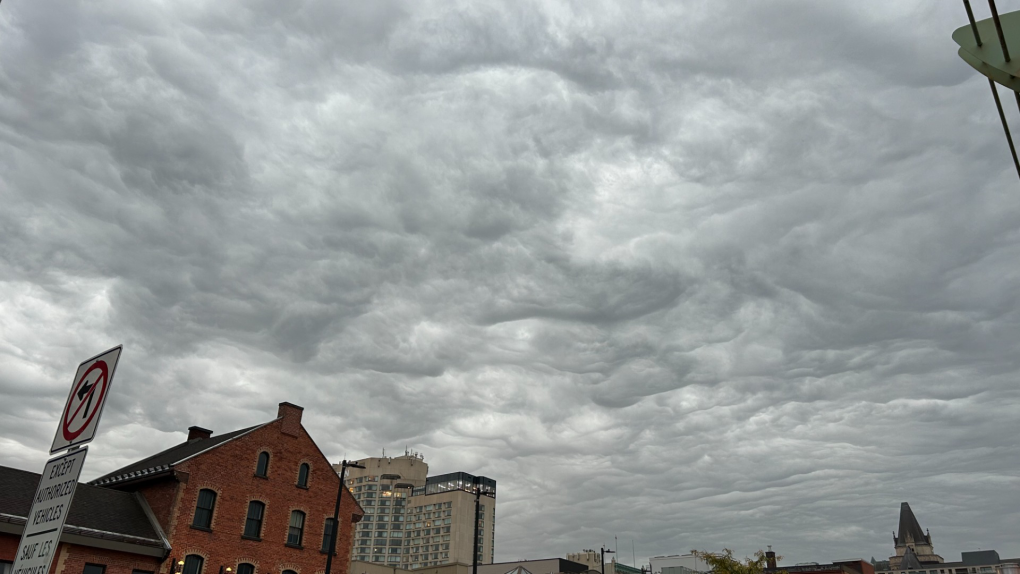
(103, 527)
(259, 500)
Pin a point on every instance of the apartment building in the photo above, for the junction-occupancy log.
(413, 520)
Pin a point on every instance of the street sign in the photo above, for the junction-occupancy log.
(50, 507)
(81, 414)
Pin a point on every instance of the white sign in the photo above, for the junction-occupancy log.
(50, 508)
(80, 418)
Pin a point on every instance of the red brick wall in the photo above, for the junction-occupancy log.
(71, 558)
(8, 546)
(229, 470)
(161, 497)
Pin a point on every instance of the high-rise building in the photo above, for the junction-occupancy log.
(413, 520)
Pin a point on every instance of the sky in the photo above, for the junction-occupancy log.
(687, 275)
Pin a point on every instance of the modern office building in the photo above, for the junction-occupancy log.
(413, 520)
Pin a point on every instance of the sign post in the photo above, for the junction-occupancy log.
(52, 503)
(50, 507)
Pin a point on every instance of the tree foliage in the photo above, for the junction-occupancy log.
(725, 563)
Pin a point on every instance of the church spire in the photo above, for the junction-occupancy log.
(910, 531)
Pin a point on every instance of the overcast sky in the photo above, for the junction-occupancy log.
(692, 274)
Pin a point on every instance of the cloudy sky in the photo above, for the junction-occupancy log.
(692, 274)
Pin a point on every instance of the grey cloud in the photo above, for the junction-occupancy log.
(691, 274)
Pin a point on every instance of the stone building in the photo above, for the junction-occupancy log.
(912, 545)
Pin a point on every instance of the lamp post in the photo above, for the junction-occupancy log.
(604, 552)
(344, 465)
(474, 554)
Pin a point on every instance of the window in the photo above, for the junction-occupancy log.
(262, 468)
(6, 567)
(192, 564)
(289, 572)
(253, 524)
(302, 476)
(327, 536)
(204, 509)
(94, 569)
(297, 528)
(245, 568)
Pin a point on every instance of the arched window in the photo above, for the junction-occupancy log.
(204, 509)
(297, 528)
(193, 564)
(253, 523)
(289, 572)
(262, 468)
(245, 568)
(302, 475)
(327, 536)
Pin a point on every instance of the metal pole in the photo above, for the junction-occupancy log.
(603, 555)
(336, 518)
(998, 29)
(1005, 126)
(973, 25)
(474, 554)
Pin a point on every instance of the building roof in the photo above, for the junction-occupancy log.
(95, 512)
(909, 528)
(161, 462)
(910, 560)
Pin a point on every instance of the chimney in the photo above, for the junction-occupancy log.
(770, 559)
(198, 432)
(291, 415)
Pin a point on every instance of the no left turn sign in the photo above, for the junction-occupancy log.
(80, 417)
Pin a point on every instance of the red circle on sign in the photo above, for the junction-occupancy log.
(104, 376)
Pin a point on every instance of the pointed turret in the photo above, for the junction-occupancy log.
(910, 531)
(913, 545)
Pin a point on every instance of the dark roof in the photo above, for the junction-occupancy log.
(910, 560)
(163, 461)
(909, 528)
(93, 508)
(980, 557)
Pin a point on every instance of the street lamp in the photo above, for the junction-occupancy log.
(336, 512)
(604, 552)
(474, 555)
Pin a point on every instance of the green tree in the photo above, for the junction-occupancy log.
(725, 563)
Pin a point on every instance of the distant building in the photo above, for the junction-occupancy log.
(593, 560)
(915, 554)
(413, 520)
(678, 564)
(913, 546)
(854, 566)
(543, 566)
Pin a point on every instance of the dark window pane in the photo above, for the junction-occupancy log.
(327, 533)
(192, 564)
(302, 475)
(204, 508)
(262, 469)
(253, 524)
(245, 568)
(289, 572)
(297, 526)
(94, 569)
